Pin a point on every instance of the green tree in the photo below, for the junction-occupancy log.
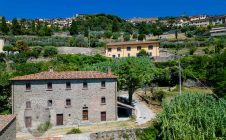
(192, 49)
(107, 34)
(71, 42)
(132, 72)
(219, 46)
(115, 25)
(142, 53)
(36, 51)
(4, 27)
(15, 28)
(8, 48)
(126, 37)
(176, 33)
(5, 90)
(81, 41)
(74, 28)
(20, 58)
(22, 46)
(33, 26)
(50, 51)
(141, 37)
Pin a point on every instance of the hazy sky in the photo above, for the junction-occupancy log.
(122, 8)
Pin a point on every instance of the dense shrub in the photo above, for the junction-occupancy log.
(50, 51)
(19, 57)
(44, 127)
(74, 131)
(36, 51)
(150, 133)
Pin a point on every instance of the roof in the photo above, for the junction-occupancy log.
(131, 43)
(5, 121)
(53, 75)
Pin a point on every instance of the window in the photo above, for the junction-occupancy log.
(128, 48)
(68, 85)
(138, 48)
(103, 116)
(128, 54)
(28, 104)
(85, 85)
(50, 103)
(150, 53)
(109, 49)
(28, 86)
(118, 55)
(85, 113)
(113, 56)
(103, 84)
(103, 100)
(68, 102)
(150, 47)
(119, 49)
(49, 86)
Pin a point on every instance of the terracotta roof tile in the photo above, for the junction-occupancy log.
(5, 120)
(65, 75)
(131, 43)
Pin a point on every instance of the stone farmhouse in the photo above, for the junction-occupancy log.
(64, 98)
(7, 127)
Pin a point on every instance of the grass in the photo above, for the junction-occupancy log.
(85, 129)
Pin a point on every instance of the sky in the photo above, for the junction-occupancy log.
(123, 8)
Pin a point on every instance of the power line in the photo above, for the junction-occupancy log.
(207, 88)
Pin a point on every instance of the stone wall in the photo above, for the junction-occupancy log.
(10, 132)
(123, 134)
(72, 115)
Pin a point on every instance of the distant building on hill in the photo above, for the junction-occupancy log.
(1, 45)
(219, 31)
(7, 127)
(132, 49)
(198, 17)
(147, 20)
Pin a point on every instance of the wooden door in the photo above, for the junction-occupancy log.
(85, 115)
(28, 122)
(103, 116)
(59, 119)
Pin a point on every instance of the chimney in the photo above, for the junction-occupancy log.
(50, 69)
(109, 71)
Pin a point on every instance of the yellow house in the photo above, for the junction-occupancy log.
(131, 49)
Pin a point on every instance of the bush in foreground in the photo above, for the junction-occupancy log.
(44, 127)
(74, 131)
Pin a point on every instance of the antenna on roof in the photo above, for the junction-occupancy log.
(50, 69)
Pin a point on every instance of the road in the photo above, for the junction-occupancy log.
(143, 113)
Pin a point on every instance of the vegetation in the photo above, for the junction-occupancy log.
(150, 133)
(193, 116)
(74, 131)
(132, 72)
(44, 127)
(50, 51)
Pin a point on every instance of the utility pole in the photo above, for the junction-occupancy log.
(179, 76)
(89, 36)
